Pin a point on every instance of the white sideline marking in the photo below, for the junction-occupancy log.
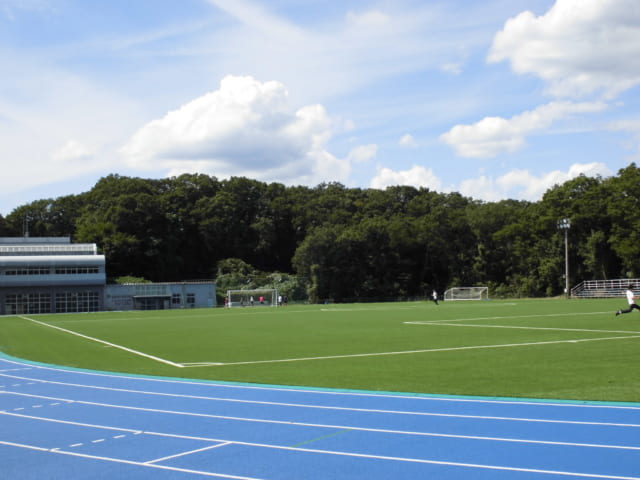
(405, 352)
(365, 309)
(130, 350)
(309, 450)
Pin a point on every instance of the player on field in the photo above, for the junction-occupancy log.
(631, 298)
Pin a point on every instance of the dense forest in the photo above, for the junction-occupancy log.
(348, 243)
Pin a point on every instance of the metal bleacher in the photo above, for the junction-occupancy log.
(603, 288)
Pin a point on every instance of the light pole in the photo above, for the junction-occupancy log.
(565, 224)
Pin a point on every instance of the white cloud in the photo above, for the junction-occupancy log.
(416, 176)
(343, 49)
(72, 151)
(407, 140)
(524, 185)
(363, 153)
(579, 46)
(518, 184)
(481, 188)
(368, 19)
(11, 7)
(56, 125)
(453, 68)
(245, 128)
(492, 136)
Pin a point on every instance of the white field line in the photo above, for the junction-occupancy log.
(521, 328)
(370, 309)
(513, 317)
(129, 350)
(408, 352)
(318, 451)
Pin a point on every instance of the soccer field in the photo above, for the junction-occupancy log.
(553, 349)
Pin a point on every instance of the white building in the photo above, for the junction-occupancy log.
(50, 274)
(53, 275)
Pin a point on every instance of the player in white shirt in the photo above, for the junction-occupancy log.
(631, 299)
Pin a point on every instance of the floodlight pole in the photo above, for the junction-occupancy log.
(565, 224)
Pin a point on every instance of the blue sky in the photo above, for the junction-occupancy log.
(494, 99)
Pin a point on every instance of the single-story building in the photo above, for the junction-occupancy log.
(160, 296)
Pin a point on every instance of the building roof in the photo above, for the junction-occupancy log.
(52, 260)
(32, 246)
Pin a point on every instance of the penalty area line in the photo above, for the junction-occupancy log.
(515, 327)
(104, 342)
(408, 352)
(507, 317)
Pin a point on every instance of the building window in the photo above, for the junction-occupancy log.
(176, 299)
(29, 271)
(191, 299)
(28, 303)
(71, 302)
(76, 270)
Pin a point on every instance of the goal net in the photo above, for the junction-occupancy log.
(263, 297)
(467, 293)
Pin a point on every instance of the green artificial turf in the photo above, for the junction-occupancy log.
(558, 349)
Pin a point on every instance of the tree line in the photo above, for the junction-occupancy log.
(348, 243)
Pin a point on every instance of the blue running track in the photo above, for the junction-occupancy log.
(67, 424)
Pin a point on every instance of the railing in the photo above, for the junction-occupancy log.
(604, 288)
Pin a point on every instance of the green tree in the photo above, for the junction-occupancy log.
(124, 216)
(624, 209)
(493, 259)
(46, 218)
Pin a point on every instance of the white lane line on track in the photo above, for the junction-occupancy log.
(332, 452)
(130, 462)
(126, 349)
(198, 450)
(317, 407)
(322, 407)
(316, 392)
(419, 398)
(354, 428)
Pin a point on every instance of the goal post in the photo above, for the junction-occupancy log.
(467, 293)
(260, 297)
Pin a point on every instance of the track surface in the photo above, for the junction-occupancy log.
(67, 424)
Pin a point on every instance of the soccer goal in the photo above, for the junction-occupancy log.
(467, 293)
(262, 297)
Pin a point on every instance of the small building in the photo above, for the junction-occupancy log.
(160, 296)
(50, 274)
(54, 275)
